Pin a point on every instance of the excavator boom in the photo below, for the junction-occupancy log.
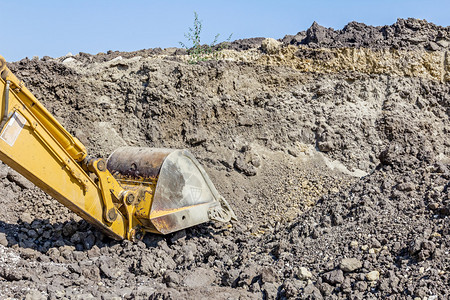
(136, 190)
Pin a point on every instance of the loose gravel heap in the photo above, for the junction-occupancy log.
(332, 146)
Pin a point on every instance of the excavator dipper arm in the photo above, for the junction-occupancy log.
(120, 203)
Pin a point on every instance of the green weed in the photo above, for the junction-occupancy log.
(198, 52)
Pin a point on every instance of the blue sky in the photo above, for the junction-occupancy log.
(54, 28)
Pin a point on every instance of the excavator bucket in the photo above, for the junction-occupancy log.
(174, 191)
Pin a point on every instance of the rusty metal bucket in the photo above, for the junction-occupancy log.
(177, 191)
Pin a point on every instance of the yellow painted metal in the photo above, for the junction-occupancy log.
(37, 146)
(71, 144)
(141, 206)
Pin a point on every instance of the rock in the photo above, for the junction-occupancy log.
(75, 238)
(199, 278)
(248, 275)
(59, 293)
(433, 206)
(326, 289)
(196, 138)
(35, 295)
(26, 218)
(245, 167)
(270, 291)
(334, 277)
(85, 296)
(69, 60)
(406, 187)
(189, 251)
(443, 43)
(143, 292)
(350, 264)
(270, 46)
(354, 244)
(375, 243)
(3, 171)
(28, 253)
(311, 290)
(346, 286)
(32, 234)
(433, 46)
(3, 239)
(172, 279)
(230, 278)
(304, 274)
(269, 275)
(107, 268)
(325, 146)
(373, 276)
(75, 268)
(53, 253)
(91, 272)
(178, 236)
(415, 246)
(361, 286)
(93, 252)
(89, 241)
(68, 229)
(245, 121)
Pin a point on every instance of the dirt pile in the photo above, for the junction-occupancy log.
(409, 34)
(333, 151)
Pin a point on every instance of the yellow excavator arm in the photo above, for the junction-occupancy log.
(136, 190)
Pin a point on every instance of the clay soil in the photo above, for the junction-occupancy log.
(332, 146)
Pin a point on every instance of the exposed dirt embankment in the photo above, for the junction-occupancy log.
(333, 147)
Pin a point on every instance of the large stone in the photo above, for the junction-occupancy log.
(312, 291)
(270, 46)
(35, 295)
(3, 239)
(269, 275)
(304, 273)
(26, 218)
(373, 276)
(199, 278)
(334, 277)
(443, 43)
(350, 264)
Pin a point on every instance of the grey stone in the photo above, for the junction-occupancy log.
(334, 277)
(373, 276)
(350, 264)
(172, 279)
(270, 46)
(433, 46)
(25, 217)
(35, 295)
(361, 286)
(269, 275)
(270, 291)
(311, 290)
(199, 278)
(3, 239)
(304, 274)
(326, 289)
